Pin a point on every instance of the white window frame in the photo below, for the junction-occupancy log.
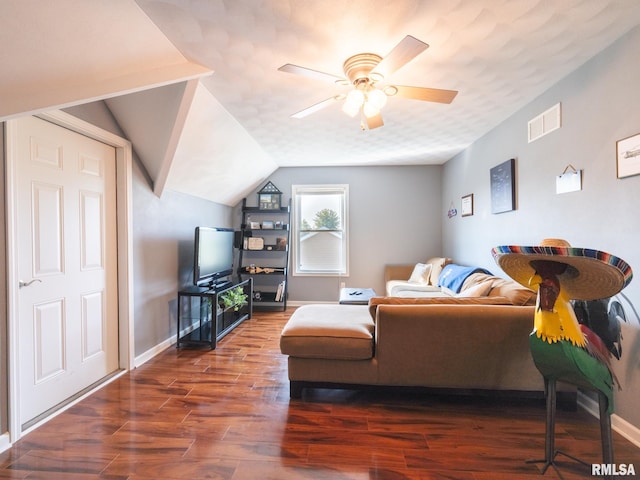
(300, 190)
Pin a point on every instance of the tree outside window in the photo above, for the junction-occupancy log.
(326, 219)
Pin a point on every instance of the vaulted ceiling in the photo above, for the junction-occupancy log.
(195, 83)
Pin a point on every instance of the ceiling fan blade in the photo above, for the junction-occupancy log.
(314, 108)
(309, 73)
(426, 94)
(375, 121)
(408, 48)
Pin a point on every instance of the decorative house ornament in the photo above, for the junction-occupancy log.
(269, 197)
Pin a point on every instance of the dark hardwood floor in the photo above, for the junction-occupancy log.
(226, 414)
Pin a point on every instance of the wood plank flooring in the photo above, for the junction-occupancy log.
(226, 414)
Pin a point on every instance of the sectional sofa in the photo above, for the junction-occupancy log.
(442, 340)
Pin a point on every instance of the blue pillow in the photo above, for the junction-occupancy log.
(453, 276)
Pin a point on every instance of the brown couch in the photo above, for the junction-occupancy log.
(469, 344)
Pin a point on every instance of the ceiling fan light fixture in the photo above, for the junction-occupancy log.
(351, 110)
(377, 98)
(370, 110)
(355, 97)
(353, 102)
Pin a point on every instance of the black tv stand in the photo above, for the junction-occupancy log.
(202, 320)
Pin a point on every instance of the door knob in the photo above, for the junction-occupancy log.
(26, 284)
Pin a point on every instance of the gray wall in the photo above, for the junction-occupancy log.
(163, 255)
(163, 231)
(394, 217)
(600, 105)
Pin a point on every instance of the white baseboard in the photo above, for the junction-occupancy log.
(161, 347)
(618, 424)
(5, 442)
(152, 352)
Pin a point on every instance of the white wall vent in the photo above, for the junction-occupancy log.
(544, 123)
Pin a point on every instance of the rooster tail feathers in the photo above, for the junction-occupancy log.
(602, 317)
(597, 349)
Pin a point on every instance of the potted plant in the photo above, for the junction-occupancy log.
(234, 298)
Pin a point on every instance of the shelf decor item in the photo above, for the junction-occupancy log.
(234, 298)
(255, 243)
(269, 197)
(281, 243)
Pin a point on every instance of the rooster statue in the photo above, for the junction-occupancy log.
(566, 347)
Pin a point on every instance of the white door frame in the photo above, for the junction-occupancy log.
(124, 241)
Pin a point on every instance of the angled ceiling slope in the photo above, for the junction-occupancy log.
(68, 52)
(189, 143)
(216, 158)
(153, 120)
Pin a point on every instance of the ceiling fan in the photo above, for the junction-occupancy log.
(366, 72)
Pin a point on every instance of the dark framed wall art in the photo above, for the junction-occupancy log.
(503, 187)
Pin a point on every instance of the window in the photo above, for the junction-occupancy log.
(320, 226)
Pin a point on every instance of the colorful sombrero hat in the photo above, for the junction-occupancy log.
(591, 274)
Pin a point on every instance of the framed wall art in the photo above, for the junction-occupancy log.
(503, 187)
(628, 156)
(467, 205)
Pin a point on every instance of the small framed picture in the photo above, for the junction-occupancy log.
(254, 225)
(628, 156)
(467, 205)
(267, 225)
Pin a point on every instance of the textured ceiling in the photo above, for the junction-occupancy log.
(499, 54)
(220, 135)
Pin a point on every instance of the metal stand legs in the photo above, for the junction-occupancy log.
(605, 429)
(549, 439)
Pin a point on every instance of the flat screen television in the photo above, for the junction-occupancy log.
(213, 255)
